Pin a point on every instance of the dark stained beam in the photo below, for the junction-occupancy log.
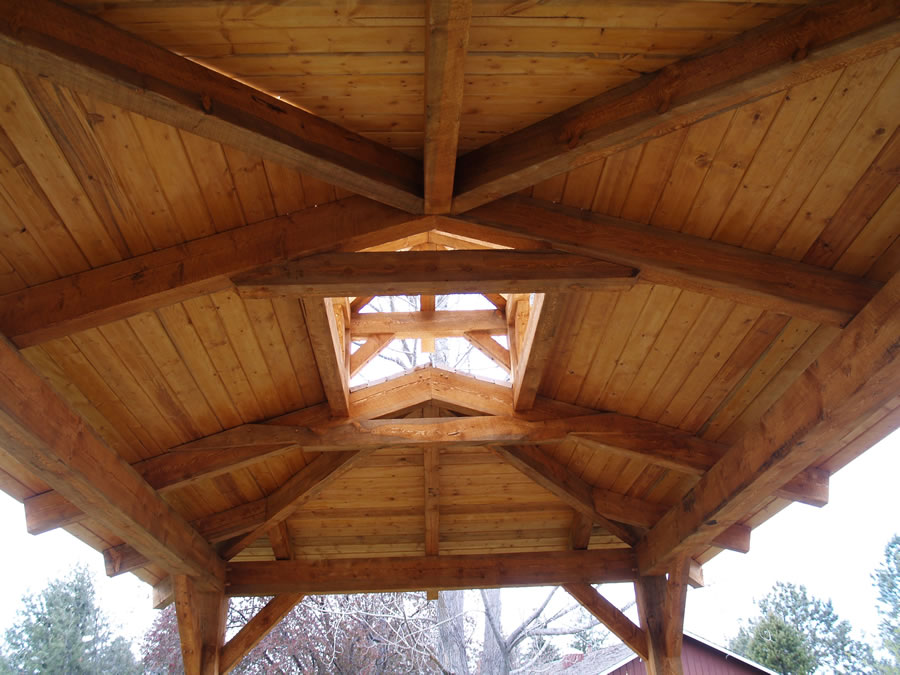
(854, 377)
(40, 431)
(386, 575)
(685, 261)
(435, 273)
(446, 40)
(90, 56)
(802, 45)
(148, 282)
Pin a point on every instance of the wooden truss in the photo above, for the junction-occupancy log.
(428, 228)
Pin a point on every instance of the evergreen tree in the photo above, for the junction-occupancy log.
(887, 580)
(826, 637)
(776, 645)
(61, 630)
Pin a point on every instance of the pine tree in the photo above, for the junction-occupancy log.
(887, 580)
(61, 630)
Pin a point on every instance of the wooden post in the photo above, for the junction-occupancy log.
(201, 626)
(661, 603)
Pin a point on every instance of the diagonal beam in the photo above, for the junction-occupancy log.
(91, 56)
(446, 40)
(685, 261)
(299, 489)
(435, 273)
(802, 45)
(372, 347)
(488, 346)
(39, 430)
(856, 375)
(148, 282)
(537, 347)
(611, 617)
(557, 479)
(252, 633)
(330, 353)
(452, 572)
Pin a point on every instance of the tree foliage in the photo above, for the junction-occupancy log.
(887, 581)
(61, 630)
(789, 611)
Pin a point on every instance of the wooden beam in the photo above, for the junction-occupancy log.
(252, 633)
(160, 278)
(856, 375)
(651, 594)
(446, 41)
(537, 347)
(451, 572)
(372, 347)
(432, 458)
(96, 58)
(280, 539)
(427, 304)
(490, 348)
(328, 348)
(359, 302)
(299, 489)
(580, 531)
(434, 273)
(201, 626)
(496, 300)
(428, 324)
(244, 446)
(807, 43)
(611, 617)
(39, 430)
(164, 593)
(558, 480)
(685, 261)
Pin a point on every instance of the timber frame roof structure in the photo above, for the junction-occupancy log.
(685, 213)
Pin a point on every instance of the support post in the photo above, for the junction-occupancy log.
(661, 602)
(201, 626)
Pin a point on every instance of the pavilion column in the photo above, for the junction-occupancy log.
(201, 626)
(661, 603)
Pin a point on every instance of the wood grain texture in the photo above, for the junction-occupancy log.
(382, 575)
(610, 616)
(97, 58)
(447, 37)
(803, 45)
(45, 435)
(853, 377)
(435, 272)
(685, 261)
(252, 632)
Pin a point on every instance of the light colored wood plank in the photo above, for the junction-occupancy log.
(48, 38)
(855, 374)
(684, 261)
(432, 501)
(446, 41)
(740, 70)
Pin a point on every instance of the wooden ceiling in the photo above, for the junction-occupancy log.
(686, 214)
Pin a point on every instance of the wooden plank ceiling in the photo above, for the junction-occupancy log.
(158, 344)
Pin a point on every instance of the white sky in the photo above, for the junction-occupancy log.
(833, 551)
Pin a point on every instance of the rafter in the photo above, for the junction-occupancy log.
(851, 379)
(537, 347)
(91, 56)
(807, 43)
(557, 479)
(446, 40)
(685, 261)
(39, 430)
(300, 488)
(385, 575)
(330, 351)
(148, 282)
